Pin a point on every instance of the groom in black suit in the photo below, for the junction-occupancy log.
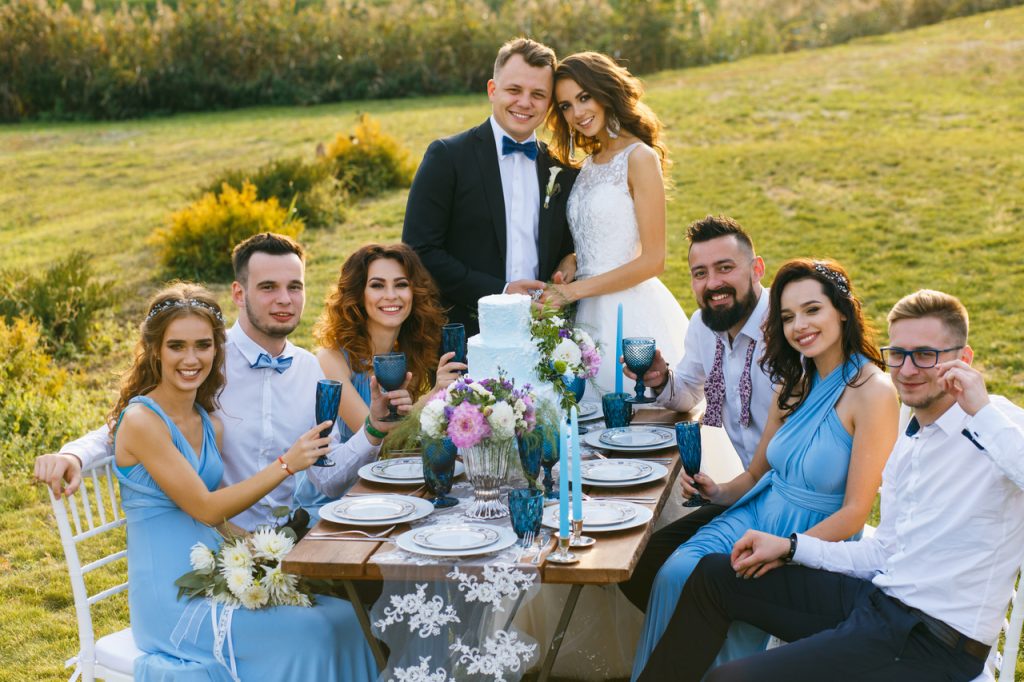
(480, 213)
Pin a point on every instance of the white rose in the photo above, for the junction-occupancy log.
(269, 544)
(432, 417)
(568, 352)
(236, 556)
(238, 580)
(254, 597)
(557, 321)
(583, 338)
(502, 420)
(479, 389)
(201, 558)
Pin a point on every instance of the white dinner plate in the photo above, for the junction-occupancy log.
(593, 439)
(506, 538)
(642, 515)
(458, 538)
(615, 470)
(637, 437)
(420, 508)
(373, 508)
(367, 474)
(658, 472)
(588, 411)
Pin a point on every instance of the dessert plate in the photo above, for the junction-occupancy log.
(658, 472)
(637, 436)
(458, 538)
(367, 473)
(664, 440)
(640, 516)
(375, 510)
(506, 538)
(399, 468)
(589, 411)
(615, 470)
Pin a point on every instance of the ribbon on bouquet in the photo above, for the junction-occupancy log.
(191, 619)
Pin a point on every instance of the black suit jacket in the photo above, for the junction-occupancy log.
(455, 220)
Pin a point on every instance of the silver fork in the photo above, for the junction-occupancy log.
(527, 540)
(542, 542)
(333, 533)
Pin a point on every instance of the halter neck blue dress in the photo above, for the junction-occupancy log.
(306, 495)
(280, 643)
(809, 458)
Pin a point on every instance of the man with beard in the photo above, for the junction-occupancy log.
(720, 364)
(924, 597)
(268, 399)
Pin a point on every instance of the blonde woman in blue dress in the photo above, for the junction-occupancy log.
(616, 210)
(167, 451)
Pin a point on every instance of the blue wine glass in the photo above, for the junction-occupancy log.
(548, 459)
(389, 368)
(328, 397)
(639, 355)
(439, 471)
(688, 442)
(453, 340)
(532, 447)
(526, 506)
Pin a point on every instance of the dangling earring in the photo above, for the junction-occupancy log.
(572, 146)
(613, 126)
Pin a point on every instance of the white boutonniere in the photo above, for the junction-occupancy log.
(552, 188)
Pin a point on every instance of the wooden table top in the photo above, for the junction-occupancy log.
(611, 560)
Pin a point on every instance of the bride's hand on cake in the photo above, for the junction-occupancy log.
(656, 377)
(447, 371)
(526, 287)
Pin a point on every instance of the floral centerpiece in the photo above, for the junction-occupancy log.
(568, 355)
(246, 571)
(482, 418)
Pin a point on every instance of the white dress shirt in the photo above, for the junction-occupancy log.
(521, 191)
(951, 536)
(698, 359)
(263, 412)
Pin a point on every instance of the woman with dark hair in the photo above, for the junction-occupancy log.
(384, 300)
(616, 209)
(167, 452)
(819, 463)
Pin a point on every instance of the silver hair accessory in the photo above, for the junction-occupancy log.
(833, 276)
(184, 303)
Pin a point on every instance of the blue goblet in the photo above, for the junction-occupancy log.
(453, 340)
(618, 411)
(548, 459)
(688, 442)
(526, 506)
(532, 447)
(328, 397)
(439, 471)
(389, 368)
(638, 352)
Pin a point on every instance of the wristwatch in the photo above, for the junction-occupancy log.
(792, 548)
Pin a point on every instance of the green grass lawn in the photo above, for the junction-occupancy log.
(900, 156)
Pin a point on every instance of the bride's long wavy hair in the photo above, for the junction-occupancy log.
(178, 299)
(618, 91)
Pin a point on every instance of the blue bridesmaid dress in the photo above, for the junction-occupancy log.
(178, 637)
(809, 458)
(306, 495)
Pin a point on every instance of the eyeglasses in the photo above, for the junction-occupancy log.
(923, 358)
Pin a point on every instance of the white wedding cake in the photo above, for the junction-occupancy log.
(504, 344)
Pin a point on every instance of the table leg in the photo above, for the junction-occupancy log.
(364, 623)
(556, 641)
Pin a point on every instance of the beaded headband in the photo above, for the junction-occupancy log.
(184, 303)
(836, 278)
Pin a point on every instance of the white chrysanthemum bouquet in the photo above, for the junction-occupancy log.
(246, 571)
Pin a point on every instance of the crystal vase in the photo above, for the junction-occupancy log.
(487, 465)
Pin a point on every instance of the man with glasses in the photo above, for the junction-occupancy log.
(723, 344)
(924, 598)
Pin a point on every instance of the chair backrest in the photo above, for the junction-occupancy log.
(93, 510)
(1006, 662)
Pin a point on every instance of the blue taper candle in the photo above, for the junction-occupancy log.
(574, 448)
(563, 480)
(618, 351)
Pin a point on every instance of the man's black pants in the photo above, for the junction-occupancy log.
(839, 628)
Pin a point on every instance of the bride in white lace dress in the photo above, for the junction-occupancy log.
(616, 209)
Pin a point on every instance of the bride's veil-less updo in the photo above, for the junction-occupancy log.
(615, 89)
(173, 301)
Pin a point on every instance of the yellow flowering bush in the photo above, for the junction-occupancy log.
(368, 161)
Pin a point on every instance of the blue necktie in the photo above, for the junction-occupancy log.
(279, 365)
(510, 146)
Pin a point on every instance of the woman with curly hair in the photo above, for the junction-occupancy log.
(616, 209)
(819, 463)
(167, 451)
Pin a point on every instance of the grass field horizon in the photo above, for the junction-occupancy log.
(901, 156)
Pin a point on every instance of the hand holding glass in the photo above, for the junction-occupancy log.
(688, 441)
(638, 353)
(453, 340)
(389, 369)
(328, 398)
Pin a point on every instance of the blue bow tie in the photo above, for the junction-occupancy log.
(279, 365)
(510, 146)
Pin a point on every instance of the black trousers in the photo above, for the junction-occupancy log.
(839, 628)
(667, 540)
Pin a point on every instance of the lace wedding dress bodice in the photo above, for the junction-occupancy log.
(602, 217)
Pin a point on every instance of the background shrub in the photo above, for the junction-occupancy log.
(63, 299)
(368, 161)
(89, 60)
(318, 198)
(197, 243)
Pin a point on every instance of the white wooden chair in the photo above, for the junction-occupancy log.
(93, 510)
(1005, 661)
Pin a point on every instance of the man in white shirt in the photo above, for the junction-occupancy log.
(269, 397)
(722, 348)
(924, 597)
(476, 213)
